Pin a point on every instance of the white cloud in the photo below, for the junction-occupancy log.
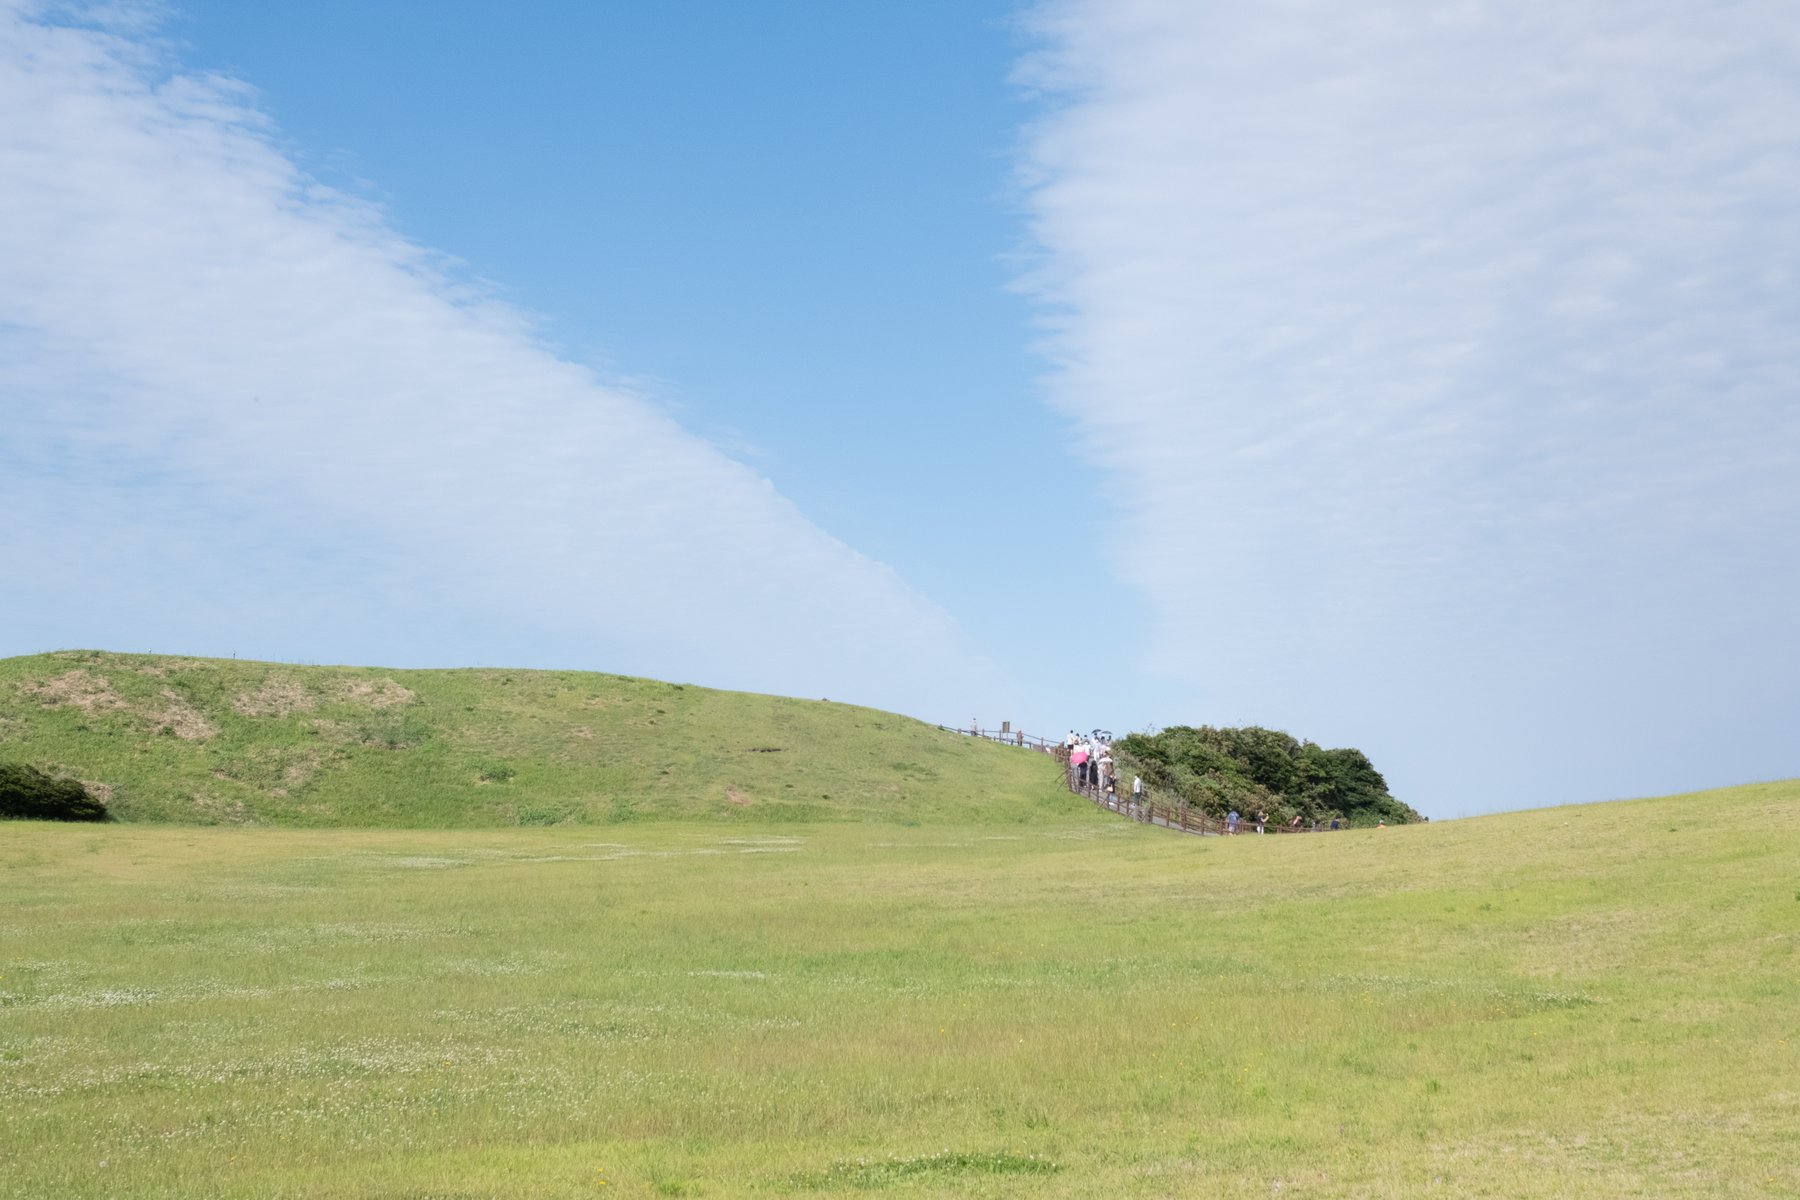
(242, 413)
(1446, 364)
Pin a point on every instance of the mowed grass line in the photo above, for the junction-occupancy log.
(1594, 1001)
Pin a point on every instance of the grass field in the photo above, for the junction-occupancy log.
(217, 741)
(1596, 1002)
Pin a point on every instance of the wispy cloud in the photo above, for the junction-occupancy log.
(241, 412)
(1446, 363)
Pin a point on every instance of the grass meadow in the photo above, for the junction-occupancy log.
(1600, 1002)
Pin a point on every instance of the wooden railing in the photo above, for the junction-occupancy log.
(1178, 816)
(1006, 737)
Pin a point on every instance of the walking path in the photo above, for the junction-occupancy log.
(1176, 815)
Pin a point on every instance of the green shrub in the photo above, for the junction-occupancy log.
(26, 792)
(1262, 770)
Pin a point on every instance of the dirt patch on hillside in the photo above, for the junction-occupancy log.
(733, 796)
(92, 693)
(278, 696)
(79, 689)
(183, 719)
(302, 769)
(222, 811)
(376, 693)
(580, 731)
(298, 771)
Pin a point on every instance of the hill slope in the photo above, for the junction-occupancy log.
(211, 740)
(1599, 1002)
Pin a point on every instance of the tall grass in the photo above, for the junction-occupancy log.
(1594, 1001)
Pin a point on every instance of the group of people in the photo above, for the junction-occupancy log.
(1091, 765)
(1091, 760)
(1262, 823)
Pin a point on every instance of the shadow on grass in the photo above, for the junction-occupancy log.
(883, 1172)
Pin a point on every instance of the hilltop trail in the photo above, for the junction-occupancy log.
(1165, 814)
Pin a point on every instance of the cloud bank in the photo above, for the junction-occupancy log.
(1445, 365)
(242, 414)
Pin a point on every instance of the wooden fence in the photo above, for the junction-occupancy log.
(1006, 736)
(1176, 815)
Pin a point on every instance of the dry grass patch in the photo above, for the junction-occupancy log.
(376, 693)
(277, 696)
(182, 719)
(79, 688)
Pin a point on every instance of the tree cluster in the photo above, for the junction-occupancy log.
(1262, 770)
(26, 792)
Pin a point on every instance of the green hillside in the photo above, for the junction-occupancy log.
(1599, 1002)
(212, 741)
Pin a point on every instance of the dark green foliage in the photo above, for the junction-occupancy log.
(1256, 769)
(28, 793)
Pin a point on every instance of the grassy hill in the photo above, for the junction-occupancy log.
(211, 741)
(1598, 1002)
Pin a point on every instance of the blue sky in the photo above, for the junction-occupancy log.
(793, 224)
(1421, 383)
